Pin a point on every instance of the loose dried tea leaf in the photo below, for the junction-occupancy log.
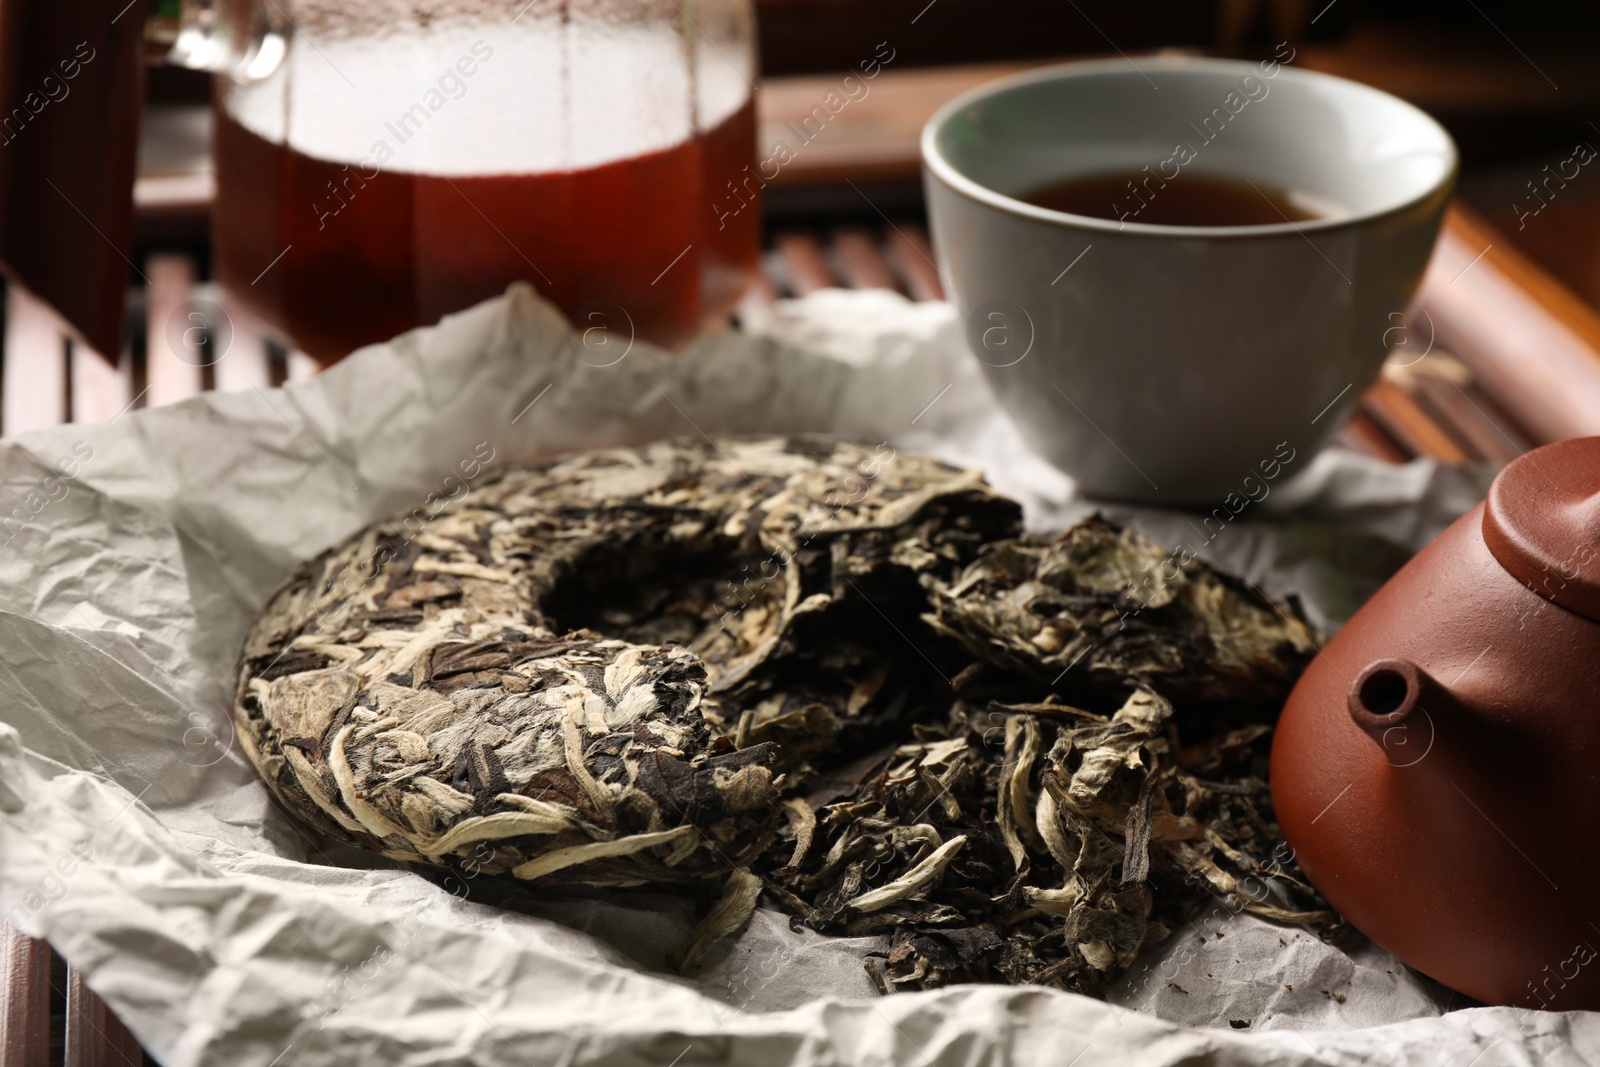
(835, 667)
(1067, 837)
(730, 915)
(1101, 844)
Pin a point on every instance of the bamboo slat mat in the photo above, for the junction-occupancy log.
(1434, 407)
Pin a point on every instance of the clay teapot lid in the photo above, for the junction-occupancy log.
(1542, 523)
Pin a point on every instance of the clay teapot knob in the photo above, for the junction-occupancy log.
(1384, 696)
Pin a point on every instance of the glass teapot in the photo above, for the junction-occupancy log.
(408, 158)
(380, 163)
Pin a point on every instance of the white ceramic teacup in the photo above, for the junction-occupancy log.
(1172, 363)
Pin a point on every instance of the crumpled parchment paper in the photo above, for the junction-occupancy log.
(136, 838)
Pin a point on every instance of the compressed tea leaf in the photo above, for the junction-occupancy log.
(832, 674)
(1112, 606)
(550, 664)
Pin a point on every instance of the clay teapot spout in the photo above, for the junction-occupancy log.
(1390, 697)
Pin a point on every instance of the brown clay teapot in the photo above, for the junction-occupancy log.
(1437, 768)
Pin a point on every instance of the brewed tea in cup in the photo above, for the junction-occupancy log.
(1178, 273)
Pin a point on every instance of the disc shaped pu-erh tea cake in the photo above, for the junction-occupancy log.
(833, 674)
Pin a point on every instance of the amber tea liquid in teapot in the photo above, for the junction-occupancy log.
(409, 159)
